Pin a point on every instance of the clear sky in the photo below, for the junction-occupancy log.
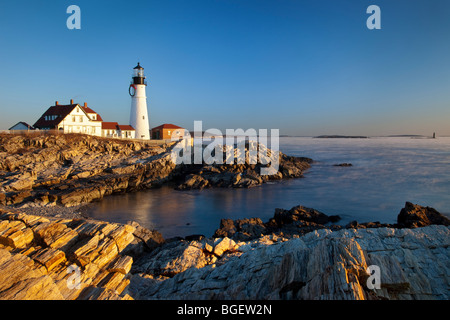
(304, 67)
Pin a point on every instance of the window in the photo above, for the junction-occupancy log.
(143, 117)
(94, 117)
(73, 118)
(81, 118)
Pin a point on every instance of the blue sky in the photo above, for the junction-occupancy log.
(304, 67)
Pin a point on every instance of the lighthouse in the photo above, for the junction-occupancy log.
(138, 113)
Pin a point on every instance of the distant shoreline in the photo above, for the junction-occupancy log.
(339, 136)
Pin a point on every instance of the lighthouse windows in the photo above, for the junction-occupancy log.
(143, 117)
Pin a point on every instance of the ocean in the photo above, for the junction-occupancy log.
(385, 173)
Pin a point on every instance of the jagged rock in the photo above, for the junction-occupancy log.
(296, 221)
(49, 258)
(121, 264)
(413, 216)
(15, 234)
(227, 228)
(173, 258)
(36, 252)
(222, 245)
(320, 265)
(145, 239)
(77, 168)
(243, 175)
(21, 181)
(297, 213)
(55, 235)
(345, 164)
(193, 181)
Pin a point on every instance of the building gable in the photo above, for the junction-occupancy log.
(21, 126)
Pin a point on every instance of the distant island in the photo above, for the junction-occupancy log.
(407, 136)
(345, 137)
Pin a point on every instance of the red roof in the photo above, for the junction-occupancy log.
(126, 127)
(89, 110)
(61, 111)
(109, 125)
(167, 126)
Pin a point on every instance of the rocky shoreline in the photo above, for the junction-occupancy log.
(45, 170)
(49, 249)
(57, 258)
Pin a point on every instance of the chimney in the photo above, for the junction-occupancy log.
(85, 104)
(71, 101)
(56, 103)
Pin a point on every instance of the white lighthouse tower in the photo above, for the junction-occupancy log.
(139, 115)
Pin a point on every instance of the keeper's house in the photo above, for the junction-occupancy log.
(74, 118)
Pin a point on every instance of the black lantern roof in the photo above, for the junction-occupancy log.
(138, 66)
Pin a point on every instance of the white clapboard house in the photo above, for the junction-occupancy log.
(75, 118)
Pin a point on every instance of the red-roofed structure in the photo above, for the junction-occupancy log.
(166, 130)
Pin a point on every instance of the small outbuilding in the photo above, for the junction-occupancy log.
(166, 131)
(21, 126)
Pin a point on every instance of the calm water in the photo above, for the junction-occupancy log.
(386, 172)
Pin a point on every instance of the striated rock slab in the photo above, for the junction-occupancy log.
(323, 264)
(69, 170)
(49, 258)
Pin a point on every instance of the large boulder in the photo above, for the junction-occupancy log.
(414, 215)
(296, 221)
(301, 213)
